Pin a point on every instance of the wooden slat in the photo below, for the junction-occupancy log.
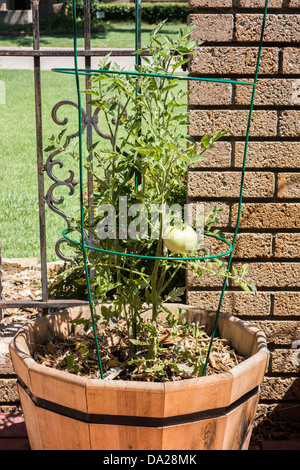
(40, 304)
(65, 52)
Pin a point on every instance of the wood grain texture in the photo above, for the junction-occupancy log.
(190, 414)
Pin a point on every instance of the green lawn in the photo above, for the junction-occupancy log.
(120, 35)
(19, 226)
(19, 216)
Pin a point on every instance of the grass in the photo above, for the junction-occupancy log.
(19, 215)
(118, 35)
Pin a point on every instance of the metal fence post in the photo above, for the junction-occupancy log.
(89, 127)
(39, 143)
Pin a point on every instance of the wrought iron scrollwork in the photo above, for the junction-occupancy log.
(52, 161)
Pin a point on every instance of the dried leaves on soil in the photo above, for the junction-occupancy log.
(77, 354)
(22, 285)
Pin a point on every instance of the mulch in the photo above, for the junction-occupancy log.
(22, 285)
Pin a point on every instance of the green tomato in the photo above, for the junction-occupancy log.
(180, 240)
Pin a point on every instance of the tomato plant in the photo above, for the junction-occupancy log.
(144, 120)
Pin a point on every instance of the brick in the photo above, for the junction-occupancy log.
(269, 154)
(204, 93)
(263, 274)
(212, 27)
(274, 388)
(271, 92)
(286, 412)
(279, 27)
(293, 4)
(285, 361)
(264, 123)
(247, 245)
(5, 360)
(234, 303)
(291, 60)
(227, 184)
(268, 274)
(8, 390)
(214, 246)
(257, 3)
(279, 308)
(210, 3)
(208, 278)
(264, 409)
(287, 245)
(289, 185)
(286, 303)
(278, 332)
(266, 216)
(224, 60)
(219, 156)
(253, 245)
(205, 280)
(289, 123)
(222, 216)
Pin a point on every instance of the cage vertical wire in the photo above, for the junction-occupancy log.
(85, 246)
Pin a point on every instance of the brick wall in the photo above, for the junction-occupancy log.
(269, 235)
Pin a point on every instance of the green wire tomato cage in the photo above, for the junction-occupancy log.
(84, 246)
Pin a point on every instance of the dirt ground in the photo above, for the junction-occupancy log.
(19, 285)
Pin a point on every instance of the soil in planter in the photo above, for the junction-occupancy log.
(77, 355)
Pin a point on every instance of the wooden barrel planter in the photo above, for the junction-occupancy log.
(65, 412)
